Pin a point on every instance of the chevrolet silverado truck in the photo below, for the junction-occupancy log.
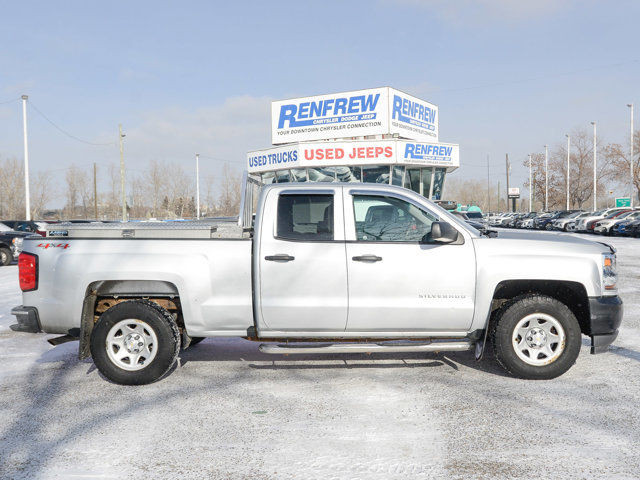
(320, 268)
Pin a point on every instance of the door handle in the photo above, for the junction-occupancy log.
(367, 258)
(281, 257)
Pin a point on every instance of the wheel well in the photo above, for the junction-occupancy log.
(102, 295)
(572, 294)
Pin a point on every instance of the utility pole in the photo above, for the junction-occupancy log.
(631, 182)
(197, 185)
(595, 163)
(568, 166)
(27, 201)
(95, 192)
(546, 178)
(530, 187)
(488, 187)
(507, 165)
(124, 197)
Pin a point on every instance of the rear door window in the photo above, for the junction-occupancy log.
(305, 217)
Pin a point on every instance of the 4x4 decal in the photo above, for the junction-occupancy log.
(53, 245)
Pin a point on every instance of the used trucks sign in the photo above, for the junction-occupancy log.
(359, 113)
(354, 152)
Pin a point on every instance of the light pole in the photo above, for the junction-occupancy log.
(595, 164)
(197, 185)
(568, 167)
(27, 202)
(631, 182)
(546, 178)
(530, 186)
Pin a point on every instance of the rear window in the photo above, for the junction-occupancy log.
(305, 217)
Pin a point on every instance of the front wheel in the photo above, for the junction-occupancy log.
(5, 257)
(536, 337)
(135, 342)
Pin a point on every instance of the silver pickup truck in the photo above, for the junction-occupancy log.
(320, 268)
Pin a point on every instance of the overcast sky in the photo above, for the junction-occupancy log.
(183, 77)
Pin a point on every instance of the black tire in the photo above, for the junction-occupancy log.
(508, 317)
(6, 257)
(156, 318)
(196, 340)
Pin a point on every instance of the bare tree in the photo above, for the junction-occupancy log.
(12, 189)
(178, 190)
(41, 193)
(156, 185)
(581, 173)
(619, 157)
(230, 191)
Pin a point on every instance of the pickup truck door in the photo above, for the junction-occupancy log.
(396, 282)
(301, 259)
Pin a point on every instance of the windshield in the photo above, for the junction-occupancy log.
(4, 228)
(474, 214)
(624, 215)
(614, 214)
(574, 214)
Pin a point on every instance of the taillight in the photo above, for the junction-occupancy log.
(28, 271)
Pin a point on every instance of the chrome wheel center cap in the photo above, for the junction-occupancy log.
(536, 338)
(134, 343)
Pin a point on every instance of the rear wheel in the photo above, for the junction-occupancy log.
(5, 257)
(536, 337)
(135, 342)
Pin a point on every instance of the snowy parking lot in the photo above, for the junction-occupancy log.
(230, 412)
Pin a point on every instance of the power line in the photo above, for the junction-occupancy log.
(67, 133)
(9, 101)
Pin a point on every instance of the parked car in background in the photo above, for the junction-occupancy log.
(540, 222)
(591, 224)
(633, 229)
(581, 226)
(10, 244)
(622, 227)
(475, 217)
(525, 218)
(29, 226)
(605, 226)
(573, 222)
(527, 223)
(561, 222)
(546, 222)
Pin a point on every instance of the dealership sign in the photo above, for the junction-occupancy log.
(375, 111)
(356, 152)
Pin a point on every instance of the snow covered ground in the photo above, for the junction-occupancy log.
(229, 412)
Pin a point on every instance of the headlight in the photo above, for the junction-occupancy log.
(609, 271)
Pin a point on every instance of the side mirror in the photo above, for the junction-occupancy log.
(441, 232)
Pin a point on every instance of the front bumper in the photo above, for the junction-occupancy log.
(604, 319)
(28, 320)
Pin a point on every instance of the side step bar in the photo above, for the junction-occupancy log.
(458, 346)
